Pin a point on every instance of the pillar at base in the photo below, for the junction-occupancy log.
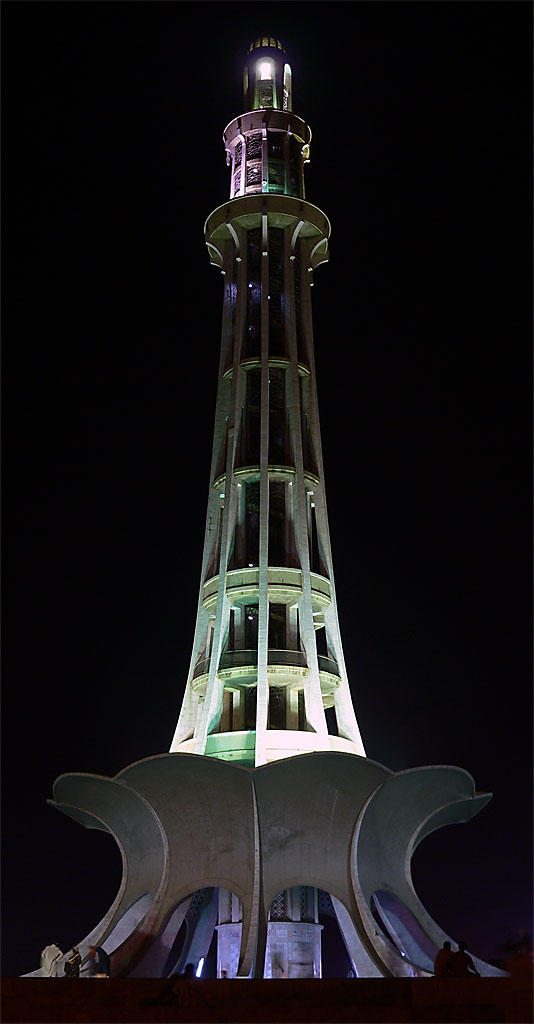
(228, 946)
(293, 950)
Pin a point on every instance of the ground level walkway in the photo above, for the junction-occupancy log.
(369, 1000)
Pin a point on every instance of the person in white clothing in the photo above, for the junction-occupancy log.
(50, 957)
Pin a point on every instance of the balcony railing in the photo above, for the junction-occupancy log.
(240, 659)
(328, 665)
(284, 580)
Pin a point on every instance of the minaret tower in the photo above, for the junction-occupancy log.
(267, 658)
(266, 809)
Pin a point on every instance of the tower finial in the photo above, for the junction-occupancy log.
(267, 76)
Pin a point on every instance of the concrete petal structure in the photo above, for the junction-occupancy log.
(266, 805)
(186, 823)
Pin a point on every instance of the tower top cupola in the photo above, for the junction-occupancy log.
(267, 76)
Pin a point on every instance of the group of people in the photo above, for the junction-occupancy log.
(458, 964)
(448, 964)
(97, 959)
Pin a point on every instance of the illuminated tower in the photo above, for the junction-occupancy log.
(267, 657)
(266, 804)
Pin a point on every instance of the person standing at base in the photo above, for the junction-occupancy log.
(462, 965)
(442, 963)
(50, 957)
(73, 964)
(99, 962)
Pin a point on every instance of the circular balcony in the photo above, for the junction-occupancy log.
(284, 586)
(281, 211)
(283, 120)
(282, 362)
(240, 668)
(275, 473)
(330, 679)
(284, 668)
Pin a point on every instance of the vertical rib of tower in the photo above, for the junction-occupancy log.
(267, 658)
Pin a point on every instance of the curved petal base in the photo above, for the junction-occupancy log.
(187, 825)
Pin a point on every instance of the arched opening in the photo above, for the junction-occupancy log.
(175, 950)
(286, 105)
(293, 947)
(206, 966)
(265, 70)
(203, 930)
(162, 956)
(194, 934)
(336, 962)
(402, 929)
(264, 84)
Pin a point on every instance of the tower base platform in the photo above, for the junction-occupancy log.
(413, 1000)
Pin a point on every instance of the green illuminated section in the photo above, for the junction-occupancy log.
(239, 747)
(276, 174)
(265, 95)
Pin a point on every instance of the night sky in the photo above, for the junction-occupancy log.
(112, 159)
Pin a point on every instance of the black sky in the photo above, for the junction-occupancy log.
(421, 157)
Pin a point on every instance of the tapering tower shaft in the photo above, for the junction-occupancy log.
(247, 850)
(267, 657)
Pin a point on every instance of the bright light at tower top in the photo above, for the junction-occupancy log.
(267, 76)
(268, 145)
